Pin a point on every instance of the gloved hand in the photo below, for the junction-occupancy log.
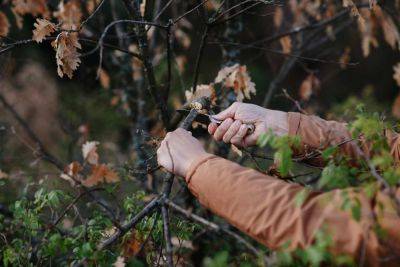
(233, 129)
(179, 150)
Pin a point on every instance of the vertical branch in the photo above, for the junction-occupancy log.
(200, 56)
(169, 62)
(167, 235)
(134, 11)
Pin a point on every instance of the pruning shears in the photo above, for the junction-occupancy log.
(207, 119)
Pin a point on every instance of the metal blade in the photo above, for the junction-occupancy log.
(202, 118)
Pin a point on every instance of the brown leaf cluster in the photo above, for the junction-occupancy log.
(32, 7)
(237, 78)
(98, 173)
(43, 28)
(66, 46)
(4, 24)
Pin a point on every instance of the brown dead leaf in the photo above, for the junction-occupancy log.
(69, 14)
(367, 33)
(390, 32)
(286, 43)
(4, 25)
(33, 7)
(396, 107)
(72, 171)
(133, 244)
(66, 46)
(104, 79)
(310, 84)
(202, 90)
(101, 174)
(43, 28)
(237, 78)
(89, 152)
(353, 8)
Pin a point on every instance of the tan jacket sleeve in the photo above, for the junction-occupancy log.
(265, 208)
(317, 133)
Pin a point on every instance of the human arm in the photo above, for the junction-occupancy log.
(265, 207)
(315, 133)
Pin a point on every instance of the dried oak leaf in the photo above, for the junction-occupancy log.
(202, 90)
(100, 174)
(310, 84)
(67, 56)
(89, 152)
(72, 171)
(390, 32)
(237, 78)
(43, 28)
(367, 31)
(69, 15)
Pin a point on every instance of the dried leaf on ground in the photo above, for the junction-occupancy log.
(101, 174)
(66, 46)
(43, 28)
(237, 78)
(89, 152)
(310, 84)
(4, 25)
(69, 15)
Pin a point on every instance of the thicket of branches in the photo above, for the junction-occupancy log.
(93, 212)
